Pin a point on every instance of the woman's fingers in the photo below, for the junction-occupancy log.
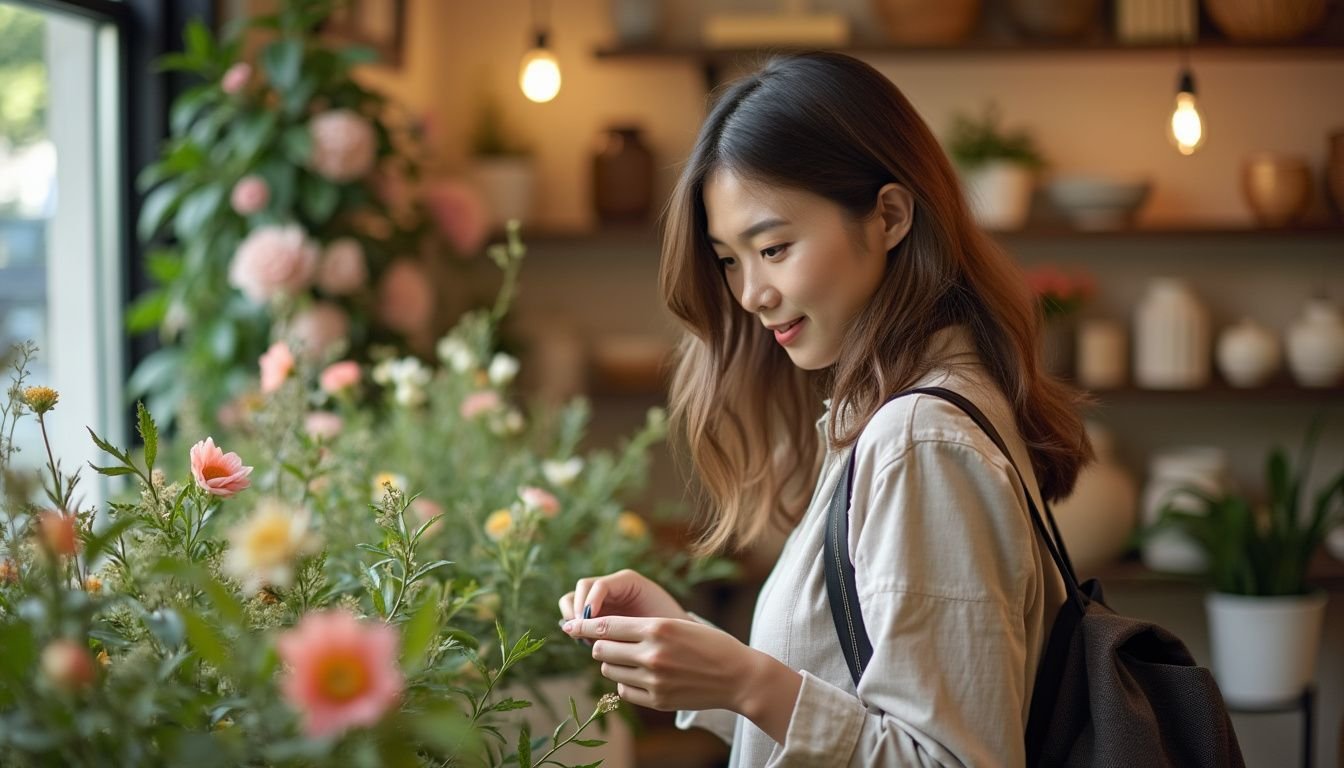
(633, 676)
(581, 595)
(567, 607)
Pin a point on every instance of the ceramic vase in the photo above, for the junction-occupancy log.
(506, 184)
(1316, 345)
(622, 175)
(1199, 468)
(1054, 19)
(927, 22)
(1171, 337)
(1097, 518)
(1102, 355)
(1248, 354)
(1276, 187)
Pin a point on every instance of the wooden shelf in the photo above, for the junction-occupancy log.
(1280, 390)
(1325, 572)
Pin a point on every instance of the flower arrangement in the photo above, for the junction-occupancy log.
(1061, 294)
(147, 640)
(299, 210)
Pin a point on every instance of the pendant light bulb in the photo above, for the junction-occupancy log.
(1185, 127)
(539, 74)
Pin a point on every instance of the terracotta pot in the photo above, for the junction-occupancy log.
(1276, 187)
(927, 22)
(1055, 19)
(1266, 19)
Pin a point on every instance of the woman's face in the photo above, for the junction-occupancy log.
(796, 260)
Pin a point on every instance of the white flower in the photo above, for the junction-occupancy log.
(263, 548)
(409, 371)
(503, 368)
(456, 354)
(510, 423)
(410, 395)
(562, 473)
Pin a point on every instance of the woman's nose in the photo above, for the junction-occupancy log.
(758, 294)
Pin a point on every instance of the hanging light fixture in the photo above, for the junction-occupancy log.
(539, 74)
(1185, 126)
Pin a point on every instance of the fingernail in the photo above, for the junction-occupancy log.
(567, 626)
(587, 611)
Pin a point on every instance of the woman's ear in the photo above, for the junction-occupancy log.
(896, 211)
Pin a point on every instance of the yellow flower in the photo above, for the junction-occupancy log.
(398, 482)
(40, 399)
(104, 660)
(499, 524)
(631, 526)
(93, 584)
(263, 549)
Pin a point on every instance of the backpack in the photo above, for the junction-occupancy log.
(1109, 691)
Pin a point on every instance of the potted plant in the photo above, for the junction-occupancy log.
(1062, 296)
(1264, 618)
(997, 168)
(501, 169)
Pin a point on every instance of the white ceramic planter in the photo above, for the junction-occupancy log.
(1171, 550)
(999, 194)
(1316, 345)
(1171, 337)
(1264, 648)
(1247, 353)
(506, 184)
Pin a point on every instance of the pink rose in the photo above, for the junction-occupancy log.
(273, 261)
(459, 213)
(343, 269)
(344, 145)
(405, 298)
(318, 329)
(235, 78)
(338, 377)
(218, 473)
(323, 425)
(477, 403)
(540, 500)
(276, 365)
(250, 194)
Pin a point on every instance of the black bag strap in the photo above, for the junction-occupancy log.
(841, 590)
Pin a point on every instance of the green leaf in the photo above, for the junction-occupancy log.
(163, 265)
(113, 471)
(508, 705)
(198, 41)
(419, 632)
(525, 746)
(149, 433)
(353, 55)
(155, 372)
(156, 209)
(198, 208)
(254, 132)
(589, 742)
(188, 106)
(297, 144)
(107, 447)
(224, 340)
(102, 540)
(283, 60)
(318, 198)
(147, 312)
(20, 656)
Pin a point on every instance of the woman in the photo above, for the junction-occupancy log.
(817, 246)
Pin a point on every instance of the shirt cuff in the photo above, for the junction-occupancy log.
(719, 722)
(824, 727)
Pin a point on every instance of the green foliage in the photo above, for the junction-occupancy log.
(974, 142)
(23, 73)
(1260, 549)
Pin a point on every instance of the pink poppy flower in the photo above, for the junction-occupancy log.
(318, 329)
(405, 298)
(250, 194)
(459, 213)
(276, 365)
(340, 376)
(342, 672)
(221, 474)
(477, 403)
(536, 498)
(235, 78)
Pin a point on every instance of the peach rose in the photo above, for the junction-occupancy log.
(340, 376)
(235, 78)
(218, 473)
(477, 403)
(276, 365)
(274, 261)
(405, 298)
(68, 665)
(250, 194)
(344, 145)
(459, 213)
(343, 269)
(319, 329)
(323, 425)
(59, 533)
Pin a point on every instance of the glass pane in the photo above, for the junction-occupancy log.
(59, 265)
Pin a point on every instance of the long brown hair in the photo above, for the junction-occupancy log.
(834, 126)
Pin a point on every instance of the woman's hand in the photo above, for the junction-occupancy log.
(624, 593)
(673, 664)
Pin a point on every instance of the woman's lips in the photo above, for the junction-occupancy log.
(787, 334)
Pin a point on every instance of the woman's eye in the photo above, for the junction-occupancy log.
(728, 262)
(773, 250)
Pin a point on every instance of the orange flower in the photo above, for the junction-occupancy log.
(342, 672)
(216, 472)
(68, 665)
(59, 533)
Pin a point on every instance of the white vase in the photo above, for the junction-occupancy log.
(1264, 648)
(1247, 354)
(1098, 517)
(1171, 337)
(1103, 359)
(506, 183)
(1316, 345)
(552, 707)
(1201, 468)
(999, 194)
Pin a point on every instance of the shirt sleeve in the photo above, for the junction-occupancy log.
(943, 563)
(720, 722)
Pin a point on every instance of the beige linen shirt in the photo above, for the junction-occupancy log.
(958, 593)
